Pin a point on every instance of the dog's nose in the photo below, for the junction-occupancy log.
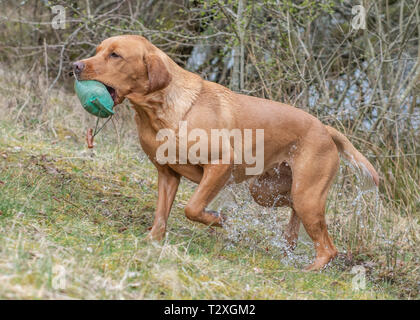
(78, 67)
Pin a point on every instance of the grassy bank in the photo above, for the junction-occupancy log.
(70, 213)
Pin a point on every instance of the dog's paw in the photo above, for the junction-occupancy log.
(154, 236)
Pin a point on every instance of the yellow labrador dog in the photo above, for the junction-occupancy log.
(299, 154)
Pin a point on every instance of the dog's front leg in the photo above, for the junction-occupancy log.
(215, 177)
(168, 182)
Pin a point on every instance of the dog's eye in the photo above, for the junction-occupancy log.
(114, 55)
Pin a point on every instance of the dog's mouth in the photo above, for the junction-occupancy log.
(112, 92)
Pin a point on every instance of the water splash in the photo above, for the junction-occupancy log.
(357, 220)
(255, 227)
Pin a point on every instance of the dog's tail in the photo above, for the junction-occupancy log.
(349, 152)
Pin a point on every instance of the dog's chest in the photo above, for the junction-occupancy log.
(147, 137)
(149, 143)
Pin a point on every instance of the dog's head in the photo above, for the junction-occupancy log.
(125, 64)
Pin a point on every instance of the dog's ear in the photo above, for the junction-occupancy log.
(159, 76)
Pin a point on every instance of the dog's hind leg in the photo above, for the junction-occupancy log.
(313, 173)
(214, 178)
(292, 230)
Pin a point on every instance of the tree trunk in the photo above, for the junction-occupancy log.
(237, 80)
